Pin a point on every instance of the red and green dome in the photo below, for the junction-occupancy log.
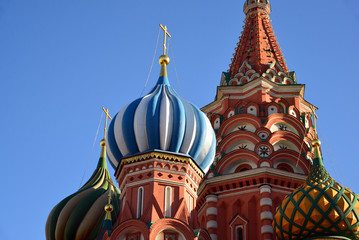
(319, 208)
(81, 216)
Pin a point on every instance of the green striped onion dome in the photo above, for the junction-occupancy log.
(319, 209)
(81, 216)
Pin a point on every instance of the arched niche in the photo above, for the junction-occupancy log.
(240, 144)
(285, 144)
(282, 126)
(236, 165)
(243, 126)
(284, 162)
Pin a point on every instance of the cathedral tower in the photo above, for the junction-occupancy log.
(161, 146)
(263, 130)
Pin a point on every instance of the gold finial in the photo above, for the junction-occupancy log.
(165, 33)
(109, 207)
(164, 59)
(315, 116)
(107, 116)
(316, 143)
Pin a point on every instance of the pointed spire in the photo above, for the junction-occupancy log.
(258, 45)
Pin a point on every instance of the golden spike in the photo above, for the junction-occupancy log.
(107, 116)
(165, 33)
(109, 207)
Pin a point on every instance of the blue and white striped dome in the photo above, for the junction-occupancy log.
(162, 121)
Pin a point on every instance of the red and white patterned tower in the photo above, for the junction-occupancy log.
(264, 132)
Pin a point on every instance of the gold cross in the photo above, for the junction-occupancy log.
(107, 116)
(315, 116)
(164, 28)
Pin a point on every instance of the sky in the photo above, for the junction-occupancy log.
(61, 61)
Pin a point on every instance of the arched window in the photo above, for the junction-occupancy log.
(168, 201)
(140, 202)
(239, 233)
(252, 110)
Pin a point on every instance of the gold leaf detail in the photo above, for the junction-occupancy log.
(316, 215)
(305, 205)
(334, 215)
(323, 203)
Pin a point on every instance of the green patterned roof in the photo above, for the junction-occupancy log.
(81, 215)
(319, 208)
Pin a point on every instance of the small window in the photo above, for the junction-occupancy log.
(252, 110)
(139, 202)
(168, 201)
(230, 114)
(293, 113)
(239, 233)
(216, 124)
(272, 109)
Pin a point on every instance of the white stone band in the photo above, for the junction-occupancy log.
(267, 229)
(266, 215)
(266, 202)
(212, 224)
(265, 189)
(211, 198)
(211, 211)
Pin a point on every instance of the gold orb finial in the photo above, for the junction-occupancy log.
(108, 208)
(316, 143)
(164, 59)
(102, 143)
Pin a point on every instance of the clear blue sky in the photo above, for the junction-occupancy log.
(61, 61)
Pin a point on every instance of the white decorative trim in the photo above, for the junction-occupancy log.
(213, 236)
(266, 215)
(212, 224)
(211, 211)
(265, 164)
(265, 189)
(267, 229)
(266, 202)
(236, 176)
(211, 198)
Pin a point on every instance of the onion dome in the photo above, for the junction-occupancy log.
(81, 216)
(161, 121)
(319, 208)
(251, 4)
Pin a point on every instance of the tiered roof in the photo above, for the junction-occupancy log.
(258, 45)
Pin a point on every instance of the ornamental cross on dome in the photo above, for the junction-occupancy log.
(315, 117)
(107, 116)
(165, 33)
